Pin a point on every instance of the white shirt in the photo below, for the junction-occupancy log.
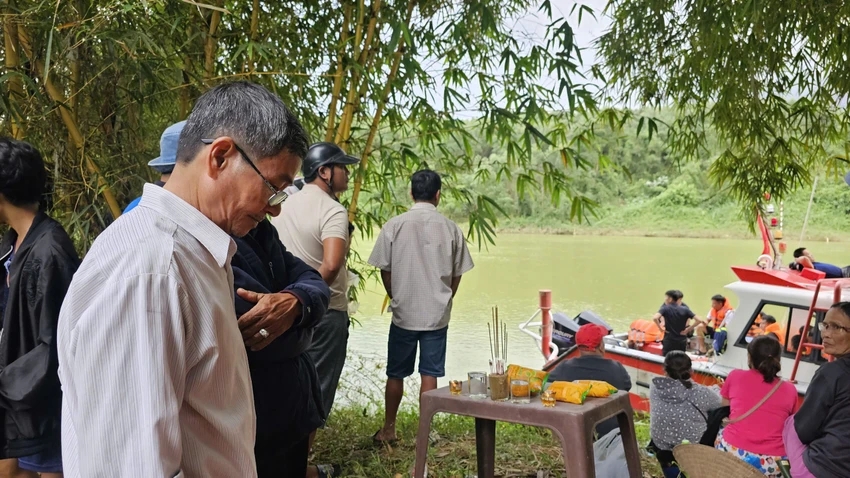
(153, 367)
(304, 222)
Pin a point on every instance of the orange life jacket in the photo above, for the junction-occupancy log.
(776, 329)
(648, 328)
(718, 315)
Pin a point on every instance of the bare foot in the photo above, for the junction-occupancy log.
(384, 435)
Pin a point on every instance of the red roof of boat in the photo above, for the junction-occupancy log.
(784, 278)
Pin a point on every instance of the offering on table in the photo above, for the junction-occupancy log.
(548, 398)
(535, 378)
(520, 391)
(499, 387)
(455, 387)
(477, 384)
(569, 392)
(598, 388)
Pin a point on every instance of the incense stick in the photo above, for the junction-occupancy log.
(490, 337)
(497, 334)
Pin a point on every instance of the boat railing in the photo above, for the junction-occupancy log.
(528, 328)
(836, 285)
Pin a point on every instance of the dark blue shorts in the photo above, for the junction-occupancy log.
(401, 352)
(49, 461)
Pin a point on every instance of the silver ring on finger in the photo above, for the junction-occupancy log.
(264, 333)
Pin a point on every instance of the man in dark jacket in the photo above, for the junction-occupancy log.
(39, 260)
(591, 364)
(279, 301)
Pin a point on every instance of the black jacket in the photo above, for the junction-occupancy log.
(286, 392)
(823, 421)
(30, 393)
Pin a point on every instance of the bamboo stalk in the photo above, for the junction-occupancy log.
(376, 120)
(74, 79)
(185, 93)
(340, 69)
(16, 90)
(255, 26)
(363, 55)
(211, 43)
(73, 129)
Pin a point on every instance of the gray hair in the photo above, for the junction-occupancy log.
(257, 120)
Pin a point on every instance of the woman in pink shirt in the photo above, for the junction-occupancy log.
(754, 432)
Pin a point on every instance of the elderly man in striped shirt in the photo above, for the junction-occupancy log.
(152, 363)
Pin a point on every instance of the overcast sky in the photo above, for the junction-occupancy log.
(531, 29)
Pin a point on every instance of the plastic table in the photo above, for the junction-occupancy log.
(572, 424)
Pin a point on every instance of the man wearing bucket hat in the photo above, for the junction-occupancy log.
(314, 227)
(167, 157)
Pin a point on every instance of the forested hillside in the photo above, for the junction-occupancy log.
(648, 192)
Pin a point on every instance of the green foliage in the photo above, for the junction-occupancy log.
(771, 79)
(359, 73)
(649, 192)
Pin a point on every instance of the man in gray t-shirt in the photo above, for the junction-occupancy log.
(422, 256)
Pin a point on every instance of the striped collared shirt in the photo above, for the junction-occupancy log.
(153, 367)
(424, 251)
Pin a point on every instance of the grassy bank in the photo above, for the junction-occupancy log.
(828, 221)
(521, 451)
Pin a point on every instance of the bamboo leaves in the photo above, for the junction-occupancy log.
(771, 80)
(403, 84)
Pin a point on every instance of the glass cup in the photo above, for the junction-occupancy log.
(520, 391)
(477, 384)
(456, 387)
(548, 398)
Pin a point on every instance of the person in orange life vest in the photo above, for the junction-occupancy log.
(768, 325)
(720, 313)
(795, 342)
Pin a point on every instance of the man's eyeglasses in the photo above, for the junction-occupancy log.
(278, 195)
(825, 326)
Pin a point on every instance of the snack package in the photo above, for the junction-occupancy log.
(570, 392)
(535, 378)
(598, 388)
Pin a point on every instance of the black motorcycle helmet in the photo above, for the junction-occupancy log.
(324, 154)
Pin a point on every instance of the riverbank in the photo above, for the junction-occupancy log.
(521, 451)
(792, 237)
(825, 224)
(681, 211)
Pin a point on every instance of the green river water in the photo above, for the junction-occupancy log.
(619, 278)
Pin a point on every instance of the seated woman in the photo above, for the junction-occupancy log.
(816, 437)
(678, 409)
(759, 403)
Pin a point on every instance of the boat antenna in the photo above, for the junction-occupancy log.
(808, 211)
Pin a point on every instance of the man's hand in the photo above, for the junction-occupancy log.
(273, 313)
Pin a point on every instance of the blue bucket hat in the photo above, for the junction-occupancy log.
(168, 149)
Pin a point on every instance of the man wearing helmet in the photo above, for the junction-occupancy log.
(313, 226)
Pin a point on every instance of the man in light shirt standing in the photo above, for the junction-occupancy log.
(422, 256)
(152, 363)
